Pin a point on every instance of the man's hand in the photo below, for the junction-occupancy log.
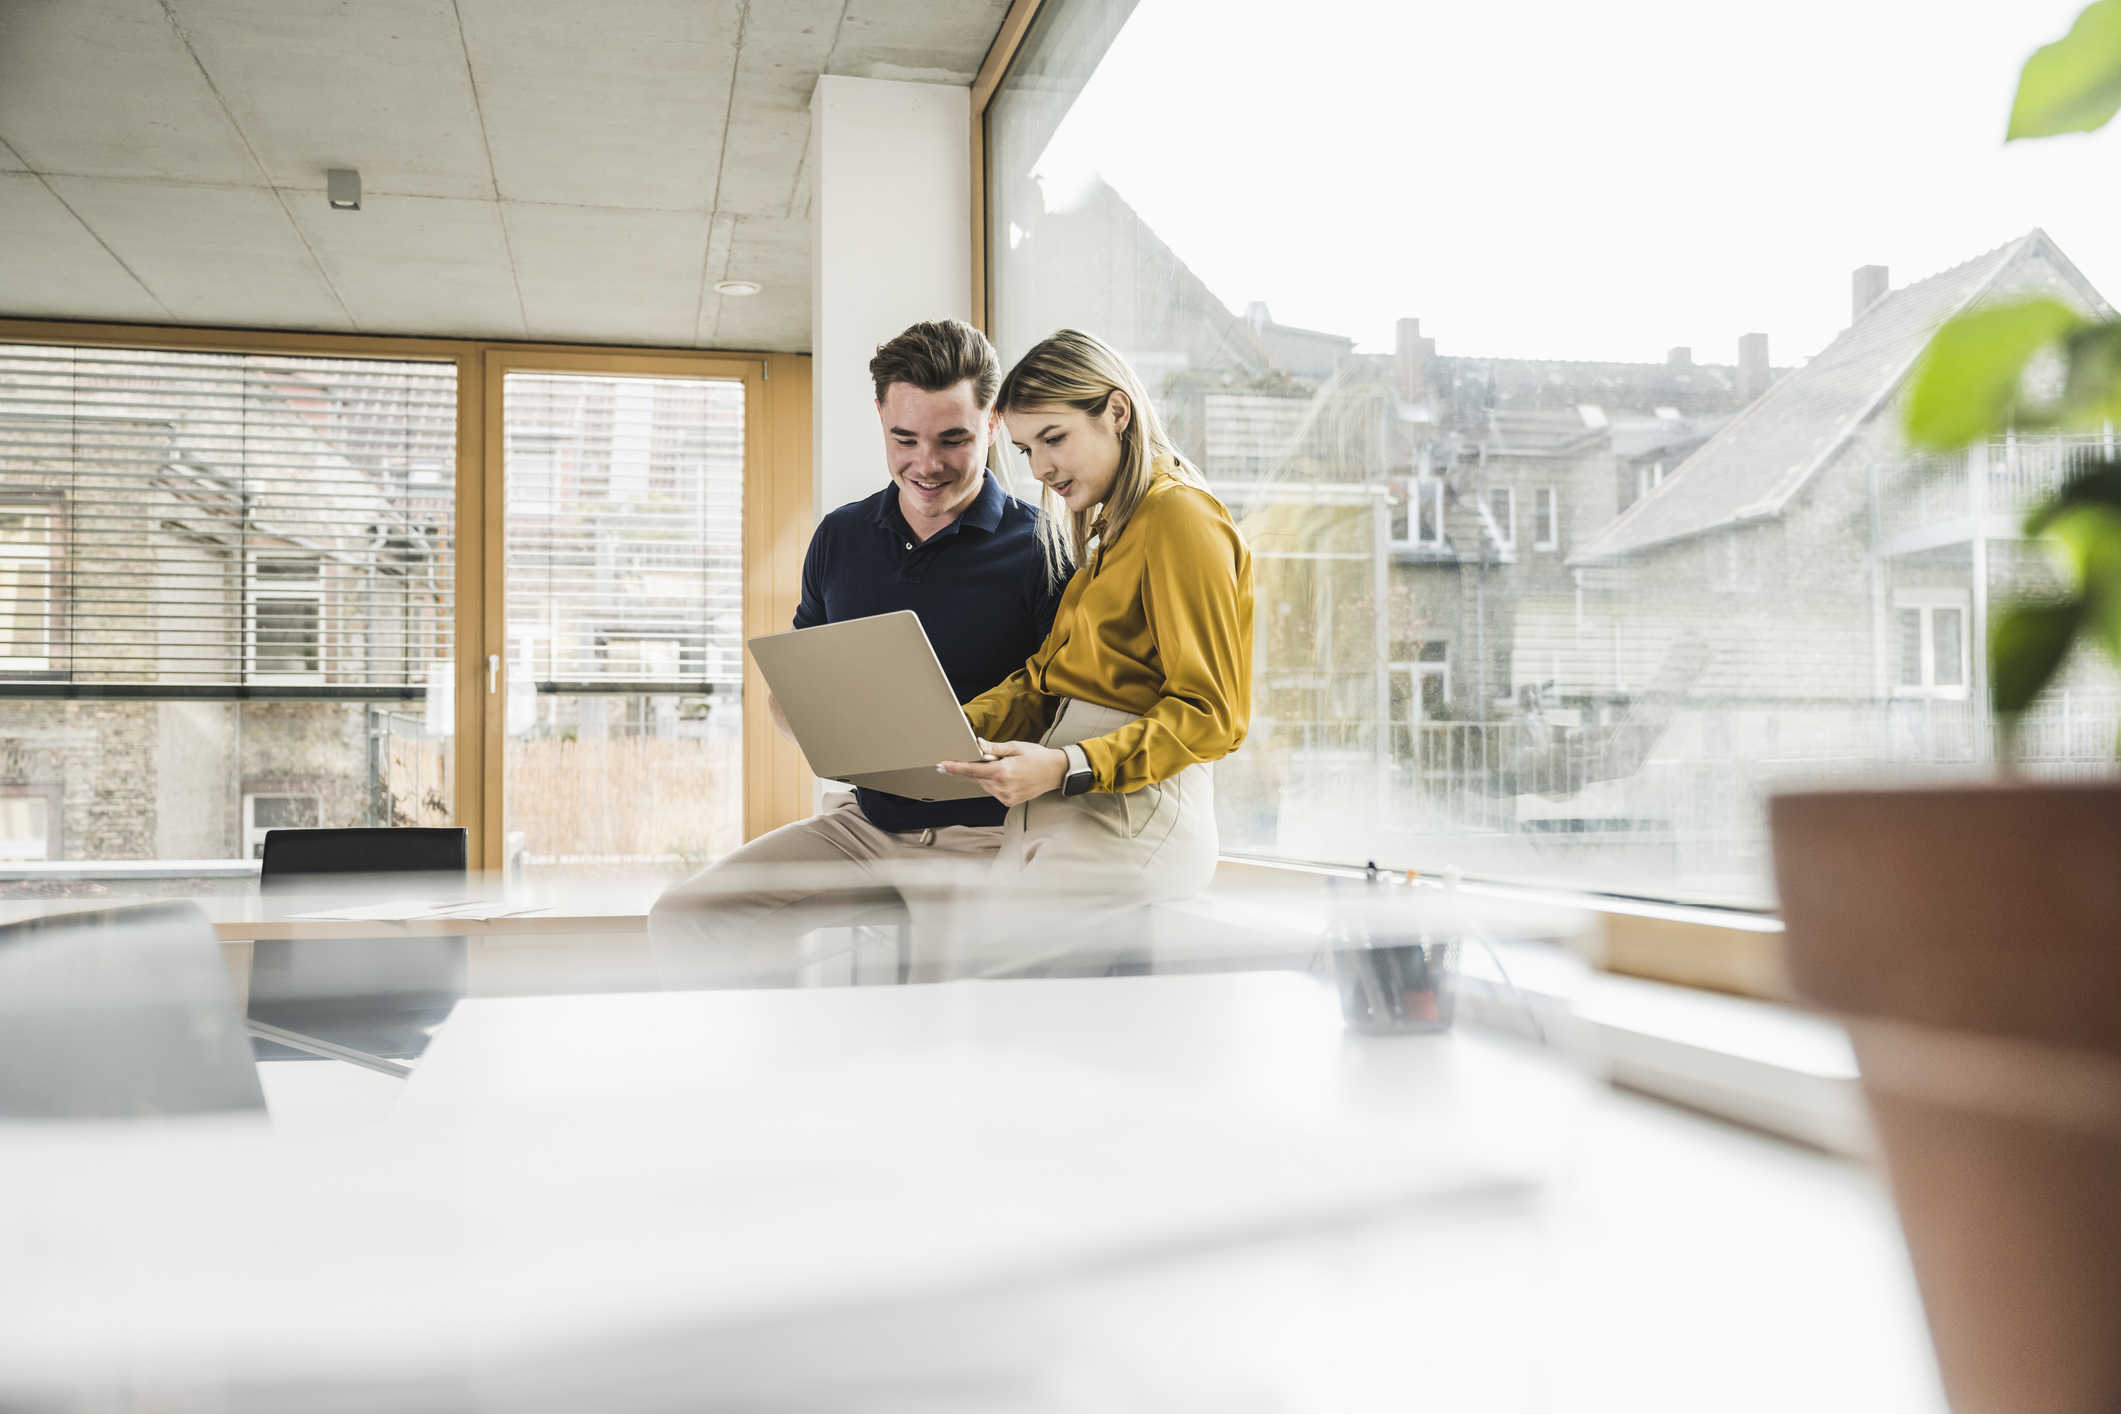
(780, 723)
(1024, 770)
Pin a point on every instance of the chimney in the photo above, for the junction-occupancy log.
(1681, 357)
(1866, 287)
(1410, 356)
(1753, 375)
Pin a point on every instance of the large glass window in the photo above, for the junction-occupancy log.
(1467, 313)
(226, 585)
(625, 505)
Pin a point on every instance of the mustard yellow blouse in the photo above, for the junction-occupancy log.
(1158, 623)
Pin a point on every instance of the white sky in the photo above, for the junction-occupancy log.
(1570, 180)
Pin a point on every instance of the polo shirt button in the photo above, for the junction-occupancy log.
(909, 544)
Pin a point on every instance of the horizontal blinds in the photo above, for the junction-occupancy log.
(208, 525)
(625, 506)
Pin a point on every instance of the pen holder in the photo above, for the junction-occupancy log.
(1394, 958)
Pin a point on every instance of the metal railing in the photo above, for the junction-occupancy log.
(2018, 472)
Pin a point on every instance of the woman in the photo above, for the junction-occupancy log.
(1103, 742)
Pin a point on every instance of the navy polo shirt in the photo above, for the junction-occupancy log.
(979, 586)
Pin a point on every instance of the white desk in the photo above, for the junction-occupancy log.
(809, 1199)
(1671, 1263)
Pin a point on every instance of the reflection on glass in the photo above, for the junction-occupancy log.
(625, 619)
(1562, 618)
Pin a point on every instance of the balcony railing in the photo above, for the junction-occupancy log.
(1473, 774)
(2016, 473)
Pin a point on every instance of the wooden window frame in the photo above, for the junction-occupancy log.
(1015, 26)
(777, 518)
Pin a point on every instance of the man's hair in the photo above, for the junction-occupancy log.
(936, 355)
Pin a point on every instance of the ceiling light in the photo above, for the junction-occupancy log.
(342, 187)
(736, 287)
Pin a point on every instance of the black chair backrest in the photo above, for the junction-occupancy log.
(119, 1013)
(381, 850)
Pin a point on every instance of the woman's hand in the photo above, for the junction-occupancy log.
(1023, 770)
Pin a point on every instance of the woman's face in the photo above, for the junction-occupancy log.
(1075, 454)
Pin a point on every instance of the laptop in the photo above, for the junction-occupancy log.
(870, 705)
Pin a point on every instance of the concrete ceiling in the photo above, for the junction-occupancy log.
(577, 171)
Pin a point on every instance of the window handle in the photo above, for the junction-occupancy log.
(493, 673)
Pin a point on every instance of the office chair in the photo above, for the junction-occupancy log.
(120, 1013)
(369, 1001)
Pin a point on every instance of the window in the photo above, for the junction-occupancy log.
(1418, 519)
(286, 617)
(26, 820)
(27, 589)
(1429, 518)
(1648, 479)
(215, 568)
(233, 573)
(1499, 516)
(276, 812)
(625, 505)
(1756, 574)
(1930, 629)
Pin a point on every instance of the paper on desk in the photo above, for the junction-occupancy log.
(404, 910)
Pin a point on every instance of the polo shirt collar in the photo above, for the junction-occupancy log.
(985, 512)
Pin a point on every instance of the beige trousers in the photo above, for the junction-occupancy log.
(1069, 891)
(1060, 889)
(741, 921)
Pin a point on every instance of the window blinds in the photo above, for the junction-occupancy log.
(625, 505)
(181, 524)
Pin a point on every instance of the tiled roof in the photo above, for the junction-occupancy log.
(1754, 467)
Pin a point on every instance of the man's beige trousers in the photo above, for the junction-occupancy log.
(1060, 888)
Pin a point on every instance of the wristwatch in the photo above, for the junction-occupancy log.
(1080, 777)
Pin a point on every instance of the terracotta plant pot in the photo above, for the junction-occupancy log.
(1971, 939)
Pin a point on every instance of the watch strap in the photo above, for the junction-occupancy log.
(1080, 777)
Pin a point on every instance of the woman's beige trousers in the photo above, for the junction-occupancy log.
(1068, 892)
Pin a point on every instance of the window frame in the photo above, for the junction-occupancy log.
(1926, 602)
(1502, 530)
(1546, 505)
(777, 523)
(303, 589)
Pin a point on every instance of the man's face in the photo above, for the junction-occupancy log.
(936, 447)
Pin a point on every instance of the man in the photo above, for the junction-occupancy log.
(944, 540)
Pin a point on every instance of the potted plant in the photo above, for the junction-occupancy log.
(1971, 936)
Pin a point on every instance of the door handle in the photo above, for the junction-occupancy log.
(493, 673)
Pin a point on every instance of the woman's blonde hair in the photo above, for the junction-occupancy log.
(1081, 371)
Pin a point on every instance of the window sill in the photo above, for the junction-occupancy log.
(1753, 1059)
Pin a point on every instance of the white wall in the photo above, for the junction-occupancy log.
(890, 244)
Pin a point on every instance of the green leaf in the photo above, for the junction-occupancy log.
(2092, 394)
(2097, 485)
(2089, 532)
(1967, 384)
(2026, 646)
(2074, 84)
